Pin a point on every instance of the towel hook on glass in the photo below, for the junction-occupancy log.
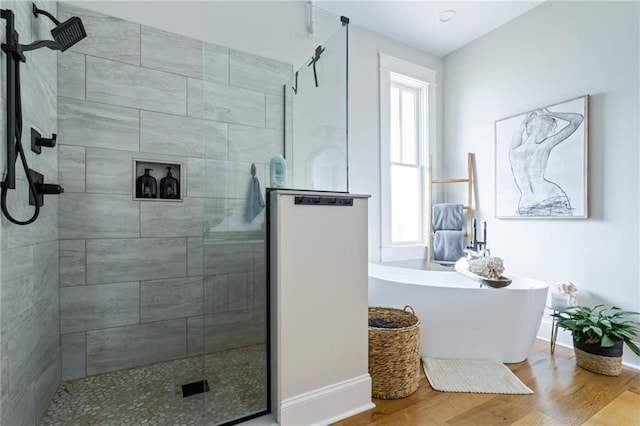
(315, 58)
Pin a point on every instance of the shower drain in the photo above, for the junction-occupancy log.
(195, 388)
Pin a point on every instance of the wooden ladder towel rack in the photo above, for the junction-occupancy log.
(468, 207)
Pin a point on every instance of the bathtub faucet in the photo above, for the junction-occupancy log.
(476, 245)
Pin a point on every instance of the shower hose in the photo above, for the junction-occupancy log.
(20, 151)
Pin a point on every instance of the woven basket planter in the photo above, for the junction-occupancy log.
(593, 357)
(394, 353)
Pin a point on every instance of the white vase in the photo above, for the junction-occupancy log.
(559, 301)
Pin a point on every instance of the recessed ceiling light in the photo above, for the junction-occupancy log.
(447, 15)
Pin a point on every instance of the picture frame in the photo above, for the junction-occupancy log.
(541, 162)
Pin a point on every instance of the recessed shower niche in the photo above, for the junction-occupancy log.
(157, 181)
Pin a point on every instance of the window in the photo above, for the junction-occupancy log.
(407, 116)
(406, 163)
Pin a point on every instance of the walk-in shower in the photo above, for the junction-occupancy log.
(121, 309)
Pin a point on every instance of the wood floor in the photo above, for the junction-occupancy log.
(565, 394)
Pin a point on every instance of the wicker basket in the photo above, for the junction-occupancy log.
(607, 365)
(394, 353)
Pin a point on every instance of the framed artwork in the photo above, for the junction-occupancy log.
(541, 162)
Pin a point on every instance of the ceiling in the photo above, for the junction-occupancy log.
(416, 23)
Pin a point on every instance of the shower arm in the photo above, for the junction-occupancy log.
(37, 12)
(53, 45)
(17, 48)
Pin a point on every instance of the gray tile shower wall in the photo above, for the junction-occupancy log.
(221, 102)
(119, 260)
(130, 346)
(99, 306)
(170, 52)
(72, 265)
(30, 349)
(133, 86)
(170, 299)
(253, 72)
(150, 281)
(72, 65)
(97, 125)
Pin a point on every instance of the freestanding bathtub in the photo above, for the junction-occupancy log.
(461, 319)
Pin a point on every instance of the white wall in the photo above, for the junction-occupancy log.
(558, 51)
(364, 116)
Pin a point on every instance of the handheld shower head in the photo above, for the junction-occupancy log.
(65, 34)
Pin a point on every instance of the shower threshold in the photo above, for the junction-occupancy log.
(153, 394)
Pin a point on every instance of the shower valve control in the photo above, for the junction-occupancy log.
(41, 188)
(50, 188)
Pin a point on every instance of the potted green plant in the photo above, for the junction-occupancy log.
(598, 336)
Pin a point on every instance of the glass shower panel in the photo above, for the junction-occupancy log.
(316, 119)
(242, 112)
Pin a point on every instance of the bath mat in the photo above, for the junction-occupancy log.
(459, 375)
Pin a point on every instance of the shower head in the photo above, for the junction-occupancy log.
(65, 34)
(69, 33)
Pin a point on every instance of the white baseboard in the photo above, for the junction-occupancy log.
(328, 404)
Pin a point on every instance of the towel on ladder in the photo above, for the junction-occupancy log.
(447, 216)
(448, 245)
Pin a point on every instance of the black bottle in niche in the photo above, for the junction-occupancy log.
(169, 186)
(146, 186)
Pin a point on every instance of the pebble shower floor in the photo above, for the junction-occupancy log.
(152, 395)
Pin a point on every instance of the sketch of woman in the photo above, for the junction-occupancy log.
(529, 154)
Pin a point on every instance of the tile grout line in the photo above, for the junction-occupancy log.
(139, 130)
(187, 258)
(140, 45)
(186, 99)
(133, 324)
(86, 72)
(86, 354)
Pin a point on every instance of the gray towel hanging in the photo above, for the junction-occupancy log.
(447, 216)
(255, 202)
(448, 245)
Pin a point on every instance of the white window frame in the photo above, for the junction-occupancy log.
(392, 68)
